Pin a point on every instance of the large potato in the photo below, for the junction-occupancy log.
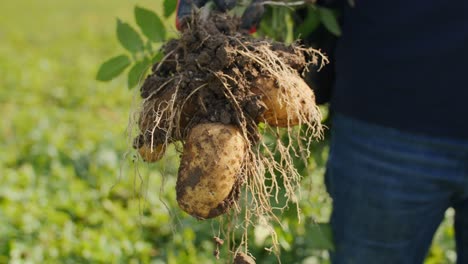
(209, 170)
(286, 106)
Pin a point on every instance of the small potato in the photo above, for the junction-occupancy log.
(209, 170)
(286, 106)
(153, 155)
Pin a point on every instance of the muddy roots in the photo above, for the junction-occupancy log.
(214, 74)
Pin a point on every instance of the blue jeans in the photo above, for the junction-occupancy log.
(390, 191)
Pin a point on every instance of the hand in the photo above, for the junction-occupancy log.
(184, 7)
(250, 19)
(252, 16)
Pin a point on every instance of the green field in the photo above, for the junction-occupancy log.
(69, 190)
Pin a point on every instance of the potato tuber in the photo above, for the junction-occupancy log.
(209, 178)
(286, 107)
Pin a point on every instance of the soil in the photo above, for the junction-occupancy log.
(203, 64)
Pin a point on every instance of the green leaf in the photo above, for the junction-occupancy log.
(137, 72)
(320, 236)
(169, 7)
(150, 24)
(311, 22)
(112, 68)
(329, 20)
(128, 37)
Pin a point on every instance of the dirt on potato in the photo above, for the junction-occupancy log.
(216, 74)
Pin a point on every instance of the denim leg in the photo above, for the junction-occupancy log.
(390, 191)
(461, 231)
(461, 219)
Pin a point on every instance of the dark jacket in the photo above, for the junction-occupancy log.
(404, 64)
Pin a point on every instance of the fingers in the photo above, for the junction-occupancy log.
(252, 16)
(225, 5)
(184, 8)
(249, 21)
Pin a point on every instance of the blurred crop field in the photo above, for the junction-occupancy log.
(70, 191)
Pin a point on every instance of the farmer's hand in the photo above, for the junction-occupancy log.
(250, 19)
(252, 16)
(184, 7)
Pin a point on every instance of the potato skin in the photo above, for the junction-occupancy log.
(285, 106)
(209, 169)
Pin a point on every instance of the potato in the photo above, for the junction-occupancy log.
(153, 155)
(209, 173)
(286, 106)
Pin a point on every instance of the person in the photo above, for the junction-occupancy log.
(399, 146)
(399, 136)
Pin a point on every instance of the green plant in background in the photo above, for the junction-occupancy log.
(143, 50)
(278, 24)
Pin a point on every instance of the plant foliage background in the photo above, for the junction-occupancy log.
(68, 191)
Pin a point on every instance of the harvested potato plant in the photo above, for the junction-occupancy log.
(220, 92)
